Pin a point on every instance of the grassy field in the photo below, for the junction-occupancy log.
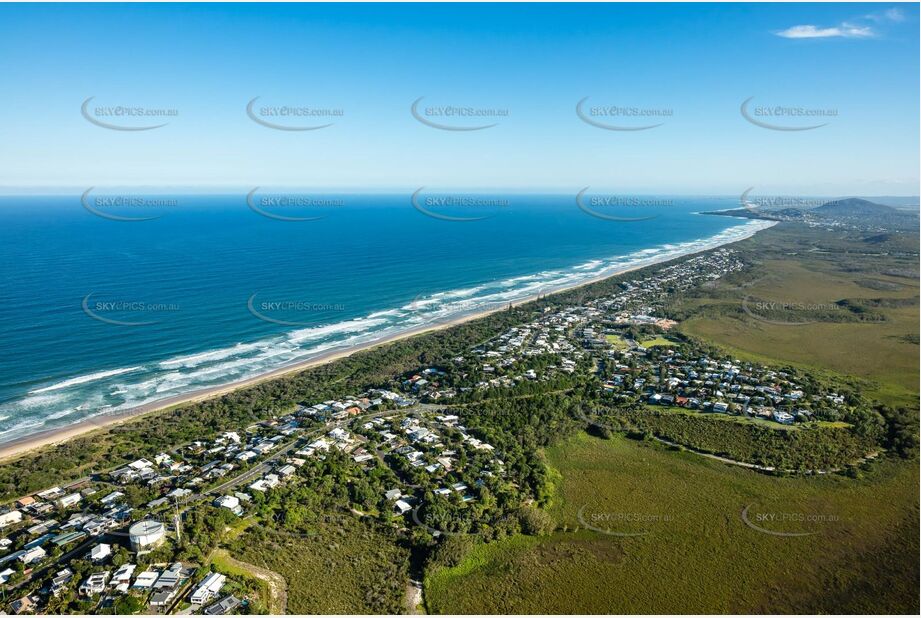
(657, 341)
(818, 270)
(343, 566)
(692, 551)
(617, 342)
(645, 529)
(258, 589)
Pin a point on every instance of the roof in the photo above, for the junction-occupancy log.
(144, 527)
(225, 605)
(146, 579)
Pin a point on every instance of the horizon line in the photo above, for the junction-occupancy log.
(216, 190)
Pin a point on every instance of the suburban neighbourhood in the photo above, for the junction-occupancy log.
(111, 539)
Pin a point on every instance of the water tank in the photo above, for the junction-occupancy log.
(146, 534)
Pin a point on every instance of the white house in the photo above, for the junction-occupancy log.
(231, 503)
(69, 500)
(94, 584)
(100, 552)
(123, 574)
(208, 588)
(9, 518)
(36, 554)
(783, 417)
(146, 579)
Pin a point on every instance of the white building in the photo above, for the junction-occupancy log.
(36, 554)
(9, 518)
(123, 574)
(94, 584)
(146, 579)
(100, 552)
(69, 500)
(146, 534)
(231, 503)
(208, 588)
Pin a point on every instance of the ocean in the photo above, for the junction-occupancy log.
(111, 301)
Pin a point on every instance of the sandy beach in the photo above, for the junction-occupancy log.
(17, 447)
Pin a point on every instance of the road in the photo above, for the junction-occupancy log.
(752, 466)
(255, 472)
(81, 549)
(268, 464)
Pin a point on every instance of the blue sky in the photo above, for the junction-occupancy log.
(700, 62)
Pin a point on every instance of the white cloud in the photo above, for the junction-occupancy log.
(845, 29)
(808, 31)
(893, 14)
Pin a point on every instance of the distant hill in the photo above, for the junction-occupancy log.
(866, 214)
(851, 212)
(854, 207)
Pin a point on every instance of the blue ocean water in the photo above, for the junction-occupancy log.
(100, 315)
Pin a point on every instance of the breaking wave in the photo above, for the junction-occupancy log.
(115, 390)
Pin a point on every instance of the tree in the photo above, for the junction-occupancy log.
(536, 522)
(128, 604)
(120, 557)
(451, 551)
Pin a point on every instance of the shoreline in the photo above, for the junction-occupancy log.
(51, 437)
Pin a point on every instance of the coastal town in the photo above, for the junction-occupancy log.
(113, 541)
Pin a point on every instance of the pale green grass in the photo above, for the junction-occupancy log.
(657, 341)
(698, 556)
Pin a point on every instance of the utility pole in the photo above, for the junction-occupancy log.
(177, 522)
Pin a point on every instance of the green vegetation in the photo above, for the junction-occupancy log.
(854, 330)
(246, 579)
(801, 448)
(332, 560)
(532, 535)
(656, 341)
(344, 565)
(697, 555)
(149, 434)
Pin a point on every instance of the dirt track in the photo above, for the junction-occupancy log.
(278, 587)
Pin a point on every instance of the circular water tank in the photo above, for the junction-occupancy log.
(146, 534)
